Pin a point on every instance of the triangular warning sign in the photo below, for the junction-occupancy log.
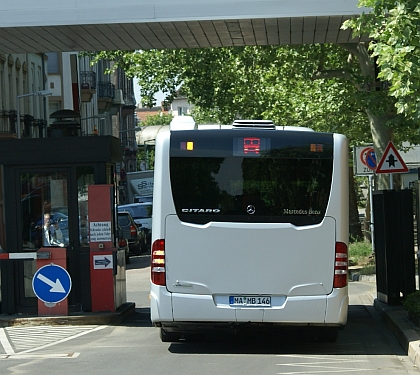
(391, 161)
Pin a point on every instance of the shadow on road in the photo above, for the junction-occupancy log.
(138, 262)
(365, 334)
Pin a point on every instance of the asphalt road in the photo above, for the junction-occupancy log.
(365, 346)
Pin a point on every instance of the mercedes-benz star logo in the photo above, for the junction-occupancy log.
(250, 209)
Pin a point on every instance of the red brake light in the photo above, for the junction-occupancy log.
(133, 231)
(340, 265)
(122, 242)
(158, 275)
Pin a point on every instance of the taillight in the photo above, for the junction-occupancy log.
(340, 266)
(133, 231)
(122, 242)
(158, 275)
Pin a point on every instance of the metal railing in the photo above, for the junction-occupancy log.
(106, 90)
(87, 80)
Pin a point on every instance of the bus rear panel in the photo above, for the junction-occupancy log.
(249, 226)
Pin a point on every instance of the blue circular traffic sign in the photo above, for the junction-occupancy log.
(371, 159)
(51, 283)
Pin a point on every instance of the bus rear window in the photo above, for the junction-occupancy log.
(281, 184)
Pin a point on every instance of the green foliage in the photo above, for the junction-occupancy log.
(147, 154)
(359, 251)
(394, 25)
(159, 119)
(281, 83)
(412, 304)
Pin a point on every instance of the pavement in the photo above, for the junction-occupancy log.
(395, 317)
(88, 318)
(397, 320)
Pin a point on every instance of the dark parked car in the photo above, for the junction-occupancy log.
(142, 215)
(135, 237)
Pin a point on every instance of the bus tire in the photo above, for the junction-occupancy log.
(329, 334)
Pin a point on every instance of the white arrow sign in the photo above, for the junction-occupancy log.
(56, 287)
(48, 290)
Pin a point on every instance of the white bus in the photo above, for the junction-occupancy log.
(250, 226)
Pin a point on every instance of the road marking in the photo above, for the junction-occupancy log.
(22, 342)
(324, 364)
(5, 343)
(38, 356)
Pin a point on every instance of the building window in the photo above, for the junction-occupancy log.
(182, 111)
(53, 62)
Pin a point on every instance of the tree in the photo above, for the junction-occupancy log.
(325, 87)
(393, 27)
(297, 85)
(158, 119)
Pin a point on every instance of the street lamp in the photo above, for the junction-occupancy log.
(36, 93)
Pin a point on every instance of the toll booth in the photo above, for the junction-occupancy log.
(45, 184)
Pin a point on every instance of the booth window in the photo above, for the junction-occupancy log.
(85, 177)
(44, 215)
(44, 200)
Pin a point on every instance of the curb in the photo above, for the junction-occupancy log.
(407, 333)
(106, 318)
(397, 320)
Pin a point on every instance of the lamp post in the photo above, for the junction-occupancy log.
(35, 93)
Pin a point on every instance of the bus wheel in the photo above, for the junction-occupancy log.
(169, 336)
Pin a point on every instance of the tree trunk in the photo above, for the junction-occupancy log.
(366, 224)
(381, 134)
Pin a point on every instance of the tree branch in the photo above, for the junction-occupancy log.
(328, 74)
(335, 73)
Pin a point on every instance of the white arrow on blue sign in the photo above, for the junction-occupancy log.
(51, 283)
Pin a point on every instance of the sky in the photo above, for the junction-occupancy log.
(159, 96)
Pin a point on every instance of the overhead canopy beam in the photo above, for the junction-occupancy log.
(29, 26)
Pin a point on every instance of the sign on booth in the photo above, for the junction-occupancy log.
(100, 231)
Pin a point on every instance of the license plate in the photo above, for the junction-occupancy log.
(259, 301)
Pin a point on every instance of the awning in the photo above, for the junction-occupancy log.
(147, 136)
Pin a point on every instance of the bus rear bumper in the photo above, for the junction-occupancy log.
(173, 308)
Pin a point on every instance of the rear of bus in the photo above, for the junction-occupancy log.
(250, 226)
